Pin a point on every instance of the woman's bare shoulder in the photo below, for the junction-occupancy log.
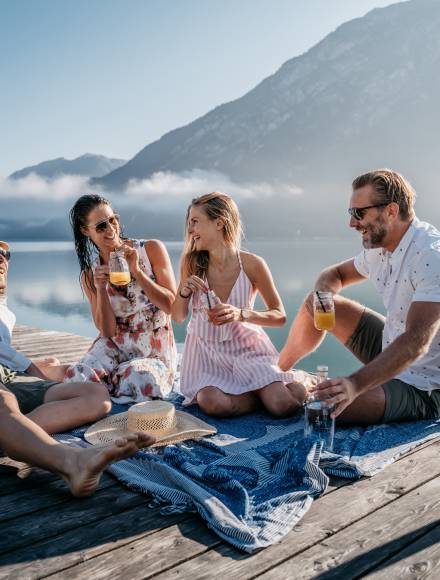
(155, 246)
(252, 264)
(251, 260)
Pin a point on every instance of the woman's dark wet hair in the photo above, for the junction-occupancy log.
(86, 250)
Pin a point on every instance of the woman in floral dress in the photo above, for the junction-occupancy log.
(135, 353)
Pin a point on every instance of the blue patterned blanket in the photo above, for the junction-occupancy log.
(255, 479)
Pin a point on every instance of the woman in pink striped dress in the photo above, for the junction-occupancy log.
(229, 364)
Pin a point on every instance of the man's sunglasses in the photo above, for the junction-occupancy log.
(359, 212)
(102, 226)
(5, 253)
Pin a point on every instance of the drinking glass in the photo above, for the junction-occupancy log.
(324, 311)
(119, 270)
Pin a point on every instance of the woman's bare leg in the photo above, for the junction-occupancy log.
(23, 440)
(282, 400)
(69, 405)
(213, 401)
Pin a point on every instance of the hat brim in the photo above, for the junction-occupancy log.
(114, 427)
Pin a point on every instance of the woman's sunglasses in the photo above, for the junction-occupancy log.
(102, 226)
(5, 253)
(359, 212)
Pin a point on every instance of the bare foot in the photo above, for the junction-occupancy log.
(298, 392)
(84, 468)
(52, 368)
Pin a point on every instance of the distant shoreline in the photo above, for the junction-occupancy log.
(69, 243)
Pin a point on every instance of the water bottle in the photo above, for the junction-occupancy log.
(317, 421)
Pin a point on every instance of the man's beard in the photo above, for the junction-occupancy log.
(376, 235)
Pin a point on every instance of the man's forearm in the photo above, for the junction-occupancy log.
(398, 356)
(329, 281)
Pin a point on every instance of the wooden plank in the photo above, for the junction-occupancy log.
(26, 529)
(16, 477)
(146, 557)
(61, 355)
(49, 339)
(357, 549)
(52, 494)
(59, 343)
(419, 560)
(79, 545)
(58, 346)
(336, 510)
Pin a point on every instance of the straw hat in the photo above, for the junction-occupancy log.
(157, 418)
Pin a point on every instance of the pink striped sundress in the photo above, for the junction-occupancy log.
(237, 357)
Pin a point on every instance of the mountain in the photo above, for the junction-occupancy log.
(365, 96)
(88, 165)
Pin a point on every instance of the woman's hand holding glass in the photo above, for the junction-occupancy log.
(223, 314)
(191, 285)
(132, 258)
(101, 276)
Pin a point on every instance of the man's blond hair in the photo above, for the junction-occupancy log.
(390, 187)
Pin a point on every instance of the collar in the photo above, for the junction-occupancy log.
(404, 243)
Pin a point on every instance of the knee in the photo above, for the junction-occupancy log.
(99, 399)
(210, 402)
(282, 409)
(8, 402)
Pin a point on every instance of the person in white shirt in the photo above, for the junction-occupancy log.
(54, 406)
(400, 379)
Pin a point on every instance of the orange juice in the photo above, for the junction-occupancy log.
(120, 278)
(324, 320)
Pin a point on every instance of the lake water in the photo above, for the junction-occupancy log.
(44, 289)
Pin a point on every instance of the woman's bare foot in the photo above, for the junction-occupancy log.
(52, 368)
(84, 467)
(298, 392)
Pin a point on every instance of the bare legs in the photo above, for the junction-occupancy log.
(304, 339)
(214, 401)
(23, 440)
(279, 399)
(71, 404)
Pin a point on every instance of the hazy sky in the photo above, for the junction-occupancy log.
(110, 76)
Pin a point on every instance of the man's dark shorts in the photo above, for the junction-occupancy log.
(403, 402)
(29, 391)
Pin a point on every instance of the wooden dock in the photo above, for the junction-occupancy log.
(384, 527)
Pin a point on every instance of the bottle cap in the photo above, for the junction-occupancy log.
(322, 368)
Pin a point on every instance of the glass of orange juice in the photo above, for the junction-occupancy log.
(119, 270)
(324, 311)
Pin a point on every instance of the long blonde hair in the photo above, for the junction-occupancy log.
(216, 205)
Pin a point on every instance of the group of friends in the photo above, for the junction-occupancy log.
(229, 366)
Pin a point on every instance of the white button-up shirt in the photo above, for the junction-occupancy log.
(9, 357)
(409, 274)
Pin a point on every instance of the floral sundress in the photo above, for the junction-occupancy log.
(139, 362)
